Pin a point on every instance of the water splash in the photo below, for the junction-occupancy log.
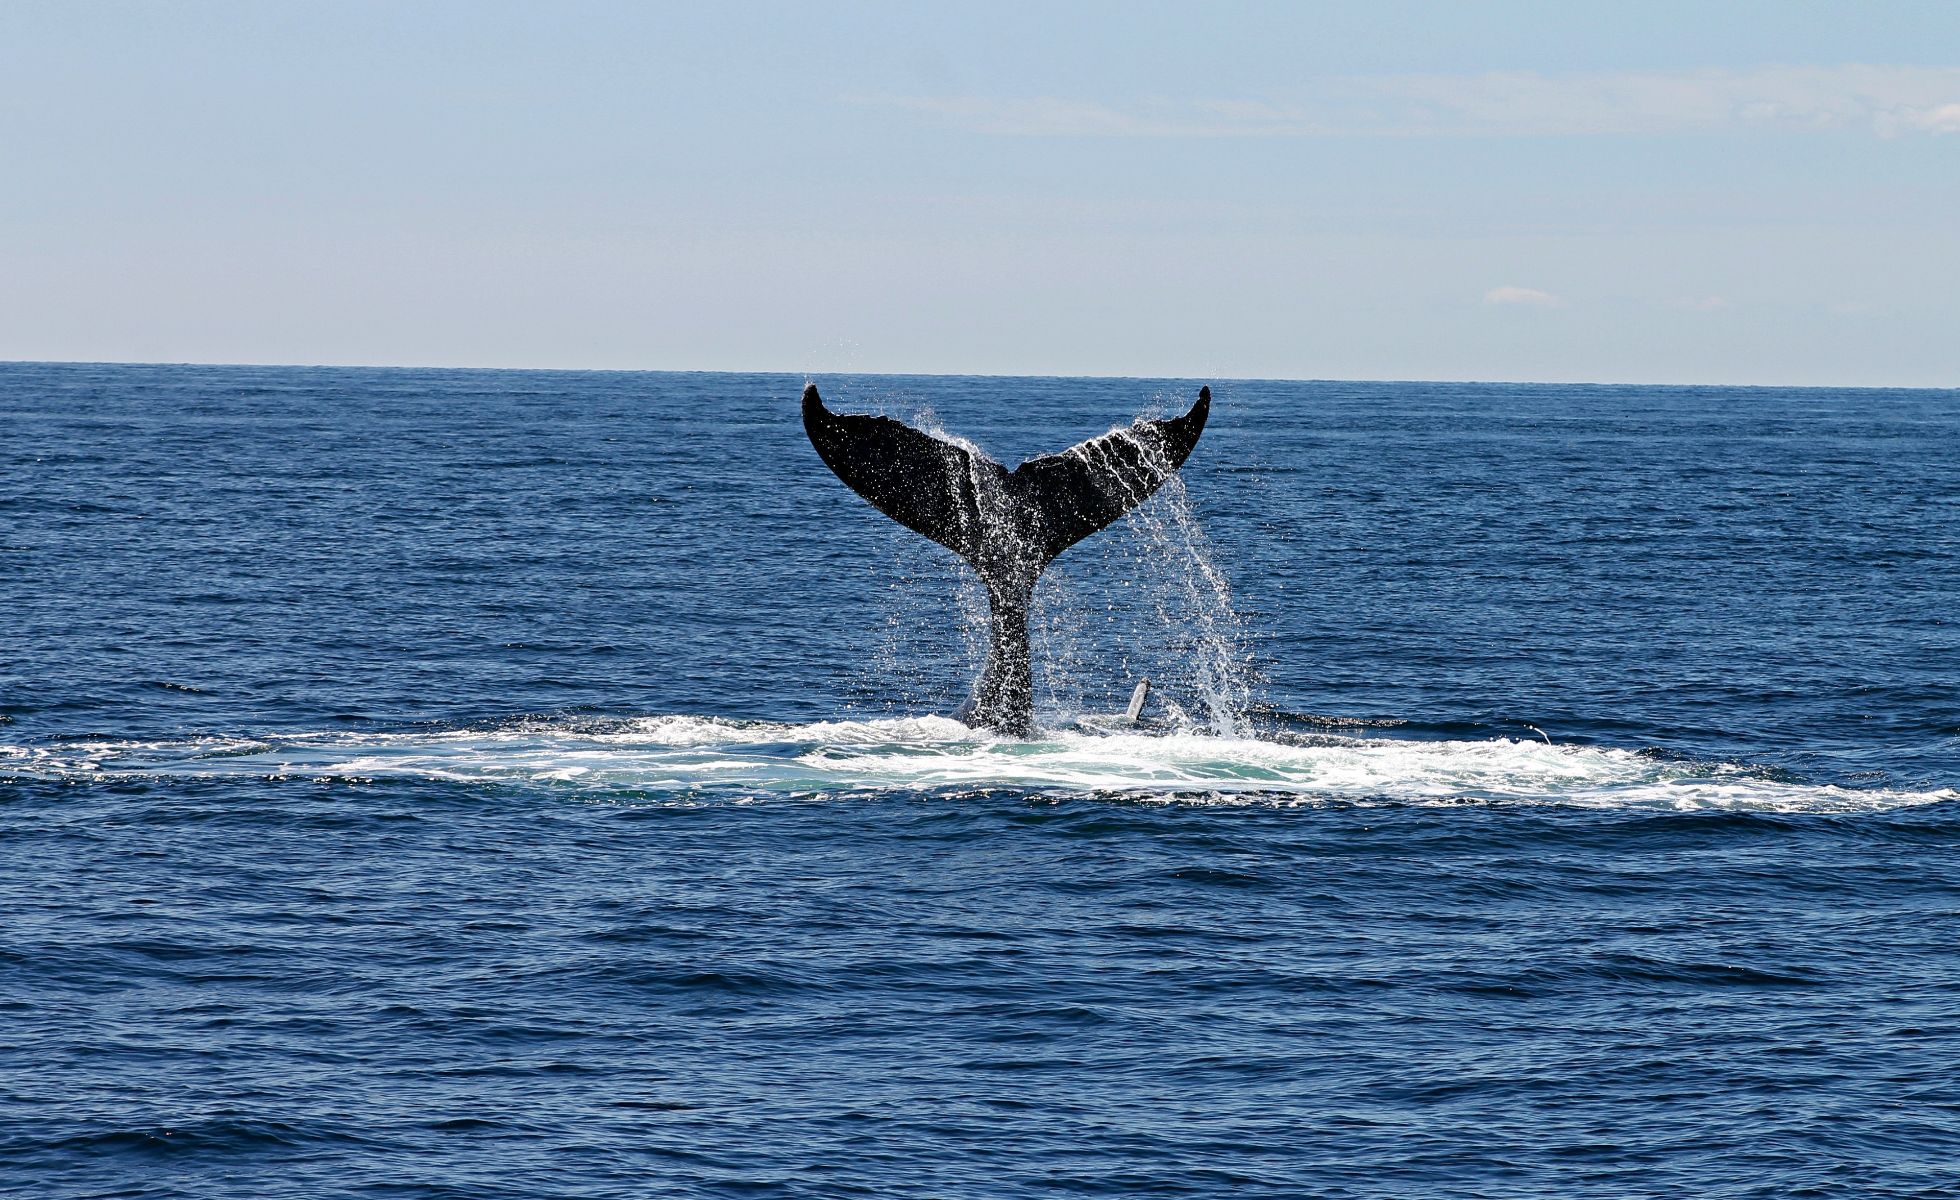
(1143, 599)
(1169, 610)
(934, 583)
(1146, 597)
(686, 758)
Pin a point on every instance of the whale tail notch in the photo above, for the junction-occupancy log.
(1008, 524)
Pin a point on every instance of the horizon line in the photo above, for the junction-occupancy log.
(809, 375)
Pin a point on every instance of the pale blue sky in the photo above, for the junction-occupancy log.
(1654, 192)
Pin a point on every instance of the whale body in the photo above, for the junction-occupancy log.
(1008, 525)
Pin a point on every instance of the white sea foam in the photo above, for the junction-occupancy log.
(708, 755)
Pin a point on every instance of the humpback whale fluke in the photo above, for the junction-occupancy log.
(1008, 524)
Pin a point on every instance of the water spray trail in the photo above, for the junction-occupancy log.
(1011, 526)
(1166, 559)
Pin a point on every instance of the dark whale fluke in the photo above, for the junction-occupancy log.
(1009, 524)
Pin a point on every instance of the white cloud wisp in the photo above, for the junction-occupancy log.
(1890, 101)
(1523, 297)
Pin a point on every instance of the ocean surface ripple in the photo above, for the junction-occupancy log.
(522, 784)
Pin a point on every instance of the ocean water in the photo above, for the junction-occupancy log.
(528, 784)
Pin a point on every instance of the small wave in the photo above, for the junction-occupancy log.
(693, 756)
(230, 1133)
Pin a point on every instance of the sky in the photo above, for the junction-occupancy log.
(1706, 192)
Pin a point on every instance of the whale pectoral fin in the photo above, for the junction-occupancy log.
(1093, 483)
(922, 482)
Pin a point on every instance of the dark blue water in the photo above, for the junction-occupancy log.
(489, 784)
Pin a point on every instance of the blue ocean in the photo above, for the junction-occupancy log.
(478, 784)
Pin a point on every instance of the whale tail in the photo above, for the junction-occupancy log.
(1008, 524)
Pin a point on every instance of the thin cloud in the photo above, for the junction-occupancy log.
(1891, 101)
(1049, 117)
(1524, 297)
(1032, 118)
(1942, 118)
(1701, 303)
